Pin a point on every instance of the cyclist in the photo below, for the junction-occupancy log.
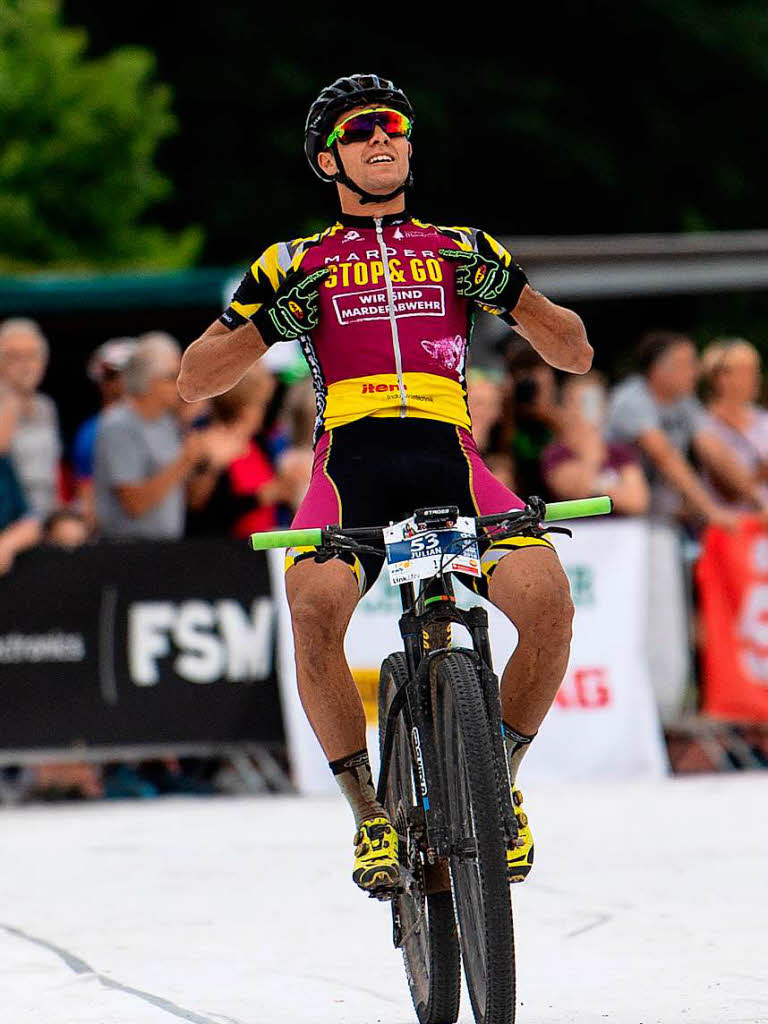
(383, 306)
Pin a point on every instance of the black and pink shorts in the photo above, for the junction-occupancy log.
(378, 470)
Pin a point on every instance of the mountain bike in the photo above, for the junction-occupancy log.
(443, 778)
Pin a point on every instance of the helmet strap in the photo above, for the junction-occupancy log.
(343, 178)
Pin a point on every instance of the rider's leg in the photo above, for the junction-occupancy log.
(531, 588)
(322, 598)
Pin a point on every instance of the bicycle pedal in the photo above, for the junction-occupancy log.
(385, 893)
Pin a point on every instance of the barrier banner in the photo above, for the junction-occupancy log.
(143, 643)
(604, 721)
(732, 577)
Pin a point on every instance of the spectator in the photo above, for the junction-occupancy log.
(585, 464)
(242, 487)
(141, 463)
(105, 369)
(485, 399)
(295, 462)
(65, 528)
(532, 416)
(29, 417)
(731, 379)
(657, 411)
(485, 396)
(18, 529)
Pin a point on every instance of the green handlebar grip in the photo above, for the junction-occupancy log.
(578, 508)
(287, 539)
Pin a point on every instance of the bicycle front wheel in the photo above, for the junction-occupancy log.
(478, 861)
(424, 922)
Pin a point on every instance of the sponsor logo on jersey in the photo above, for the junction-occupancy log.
(375, 254)
(369, 389)
(448, 351)
(352, 236)
(426, 300)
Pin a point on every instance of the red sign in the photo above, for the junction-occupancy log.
(732, 576)
(584, 688)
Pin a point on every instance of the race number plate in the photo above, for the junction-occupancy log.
(414, 554)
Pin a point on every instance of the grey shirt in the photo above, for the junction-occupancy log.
(35, 451)
(130, 449)
(634, 409)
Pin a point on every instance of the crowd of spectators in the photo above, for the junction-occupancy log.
(148, 466)
(145, 465)
(682, 440)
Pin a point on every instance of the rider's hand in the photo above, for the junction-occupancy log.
(486, 277)
(292, 310)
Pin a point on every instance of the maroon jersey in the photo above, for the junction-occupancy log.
(393, 333)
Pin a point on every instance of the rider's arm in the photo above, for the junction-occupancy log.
(557, 333)
(217, 360)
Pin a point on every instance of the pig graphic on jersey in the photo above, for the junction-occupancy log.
(448, 351)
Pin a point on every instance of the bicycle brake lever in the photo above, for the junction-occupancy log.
(559, 529)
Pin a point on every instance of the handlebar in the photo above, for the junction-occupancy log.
(311, 538)
(578, 508)
(315, 537)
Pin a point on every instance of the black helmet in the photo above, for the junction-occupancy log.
(344, 94)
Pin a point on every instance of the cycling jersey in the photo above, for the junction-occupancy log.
(393, 333)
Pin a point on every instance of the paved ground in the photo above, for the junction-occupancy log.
(648, 905)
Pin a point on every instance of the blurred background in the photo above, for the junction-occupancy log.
(145, 161)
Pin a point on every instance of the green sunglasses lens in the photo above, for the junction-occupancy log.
(360, 126)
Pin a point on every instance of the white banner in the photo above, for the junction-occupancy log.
(604, 721)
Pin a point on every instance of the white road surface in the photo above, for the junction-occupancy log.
(648, 905)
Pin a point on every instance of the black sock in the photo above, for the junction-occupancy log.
(355, 779)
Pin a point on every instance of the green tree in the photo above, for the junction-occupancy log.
(77, 144)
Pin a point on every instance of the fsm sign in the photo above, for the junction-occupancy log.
(139, 644)
(208, 640)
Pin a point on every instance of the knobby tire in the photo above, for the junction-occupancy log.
(426, 921)
(478, 865)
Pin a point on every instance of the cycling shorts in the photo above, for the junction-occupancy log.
(374, 471)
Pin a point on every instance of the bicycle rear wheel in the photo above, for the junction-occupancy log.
(424, 922)
(478, 863)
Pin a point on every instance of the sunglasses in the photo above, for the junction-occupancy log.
(360, 127)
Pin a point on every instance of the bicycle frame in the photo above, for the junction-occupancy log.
(414, 702)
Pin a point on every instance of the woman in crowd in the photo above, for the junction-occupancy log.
(582, 462)
(240, 489)
(731, 376)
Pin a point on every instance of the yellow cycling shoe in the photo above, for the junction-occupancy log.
(520, 858)
(377, 869)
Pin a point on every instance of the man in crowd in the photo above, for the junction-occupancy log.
(105, 369)
(30, 422)
(142, 463)
(533, 417)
